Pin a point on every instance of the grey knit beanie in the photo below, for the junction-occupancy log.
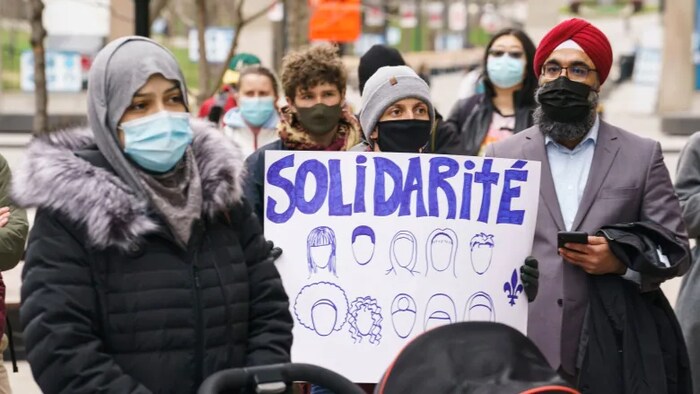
(387, 86)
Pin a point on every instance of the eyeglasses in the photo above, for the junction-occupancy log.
(499, 53)
(578, 72)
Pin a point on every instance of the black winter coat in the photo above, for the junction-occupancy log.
(112, 303)
(632, 342)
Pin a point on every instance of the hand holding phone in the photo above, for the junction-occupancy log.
(575, 237)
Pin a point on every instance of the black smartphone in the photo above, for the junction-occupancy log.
(574, 237)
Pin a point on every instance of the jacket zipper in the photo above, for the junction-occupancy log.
(199, 334)
(197, 298)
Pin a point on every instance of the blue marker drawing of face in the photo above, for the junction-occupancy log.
(365, 320)
(441, 251)
(403, 253)
(439, 311)
(321, 307)
(481, 247)
(480, 308)
(363, 242)
(403, 314)
(320, 247)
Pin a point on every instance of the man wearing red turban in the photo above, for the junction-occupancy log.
(593, 174)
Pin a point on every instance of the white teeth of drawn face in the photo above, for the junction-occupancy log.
(403, 252)
(321, 255)
(324, 317)
(442, 249)
(363, 249)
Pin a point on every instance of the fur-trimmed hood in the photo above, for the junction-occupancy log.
(54, 178)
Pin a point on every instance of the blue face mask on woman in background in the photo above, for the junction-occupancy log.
(256, 111)
(157, 142)
(505, 71)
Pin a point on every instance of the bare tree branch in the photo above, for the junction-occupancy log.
(41, 100)
(203, 64)
(183, 15)
(157, 7)
(239, 24)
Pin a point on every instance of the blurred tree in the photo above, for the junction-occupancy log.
(36, 12)
(209, 86)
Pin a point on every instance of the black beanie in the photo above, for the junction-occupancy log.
(375, 58)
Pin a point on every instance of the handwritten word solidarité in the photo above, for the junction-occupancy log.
(407, 184)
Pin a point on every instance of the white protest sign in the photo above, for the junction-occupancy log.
(379, 248)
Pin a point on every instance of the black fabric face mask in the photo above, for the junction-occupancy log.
(564, 100)
(320, 119)
(403, 136)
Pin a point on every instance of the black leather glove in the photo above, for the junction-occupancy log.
(275, 251)
(529, 275)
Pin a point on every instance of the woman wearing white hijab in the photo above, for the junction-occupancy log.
(146, 270)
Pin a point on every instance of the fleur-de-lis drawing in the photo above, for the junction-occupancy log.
(513, 288)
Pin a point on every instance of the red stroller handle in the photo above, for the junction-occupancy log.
(274, 379)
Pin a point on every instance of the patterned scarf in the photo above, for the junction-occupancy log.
(294, 136)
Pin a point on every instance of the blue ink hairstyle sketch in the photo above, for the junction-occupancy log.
(439, 311)
(441, 251)
(403, 253)
(321, 307)
(513, 288)
(403, 314)
(365, 320)
(320, 248)
(363, 242)
(480, 308)
(481, 252)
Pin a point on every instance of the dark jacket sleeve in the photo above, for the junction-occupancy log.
(660, 205)
(688, 184)
(270, 323)
(254, 183)
(59, 313)
(14, 234)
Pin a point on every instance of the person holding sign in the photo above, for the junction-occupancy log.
(593, 174)
(397, 115)
(317, 118)
(146, 269)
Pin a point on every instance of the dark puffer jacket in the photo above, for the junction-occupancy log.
(112, 304)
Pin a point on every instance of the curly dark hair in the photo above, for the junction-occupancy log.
(311, 67)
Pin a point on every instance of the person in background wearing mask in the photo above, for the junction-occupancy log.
(397, 114)
(593, 174)
(317, 118)
(146, 270)
(254, 122)
(506, 106)
(216, 106)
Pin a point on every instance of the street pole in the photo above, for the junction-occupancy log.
(141, 18)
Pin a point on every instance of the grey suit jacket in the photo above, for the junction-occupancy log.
(628, 182)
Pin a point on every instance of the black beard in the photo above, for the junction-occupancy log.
(566, 131)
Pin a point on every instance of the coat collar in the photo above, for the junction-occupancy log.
(53, 177)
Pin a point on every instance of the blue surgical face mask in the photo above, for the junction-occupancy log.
(256, 111)
(504, 71)
(157, 142)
